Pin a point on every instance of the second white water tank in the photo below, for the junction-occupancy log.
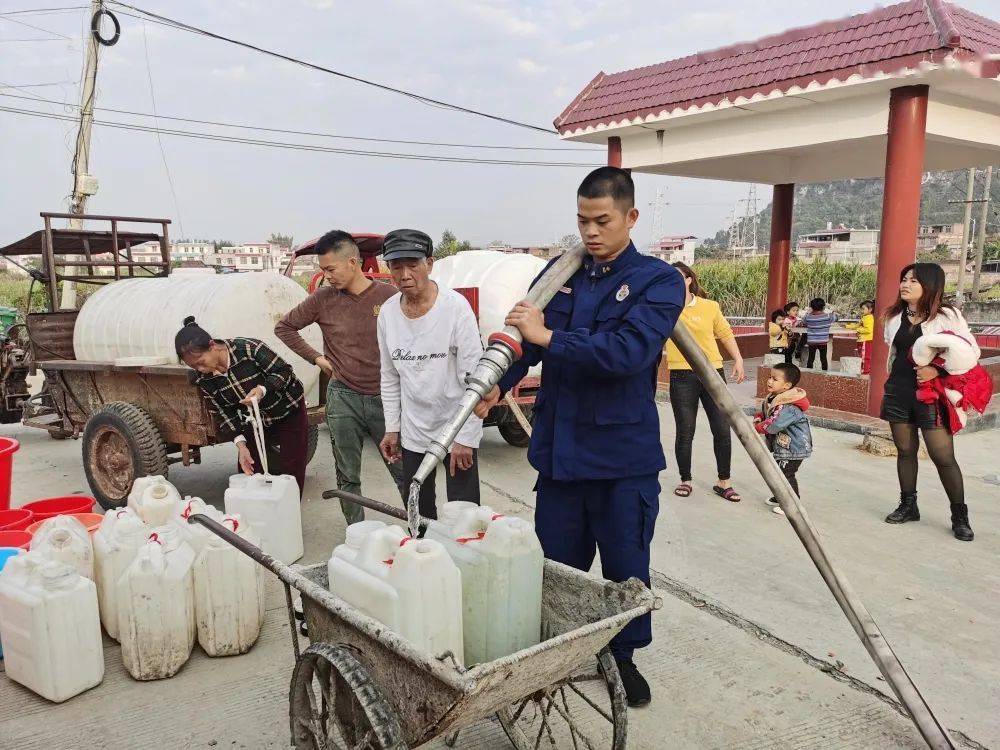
(503, 280)
(140, 317)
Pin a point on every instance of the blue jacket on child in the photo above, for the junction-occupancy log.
(783, 422)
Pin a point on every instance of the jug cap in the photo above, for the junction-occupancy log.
(159, 490)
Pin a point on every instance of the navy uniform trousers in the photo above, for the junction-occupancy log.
(574, 520)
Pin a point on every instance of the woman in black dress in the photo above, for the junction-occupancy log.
(920, 309)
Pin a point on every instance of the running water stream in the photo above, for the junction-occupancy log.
(413, 509)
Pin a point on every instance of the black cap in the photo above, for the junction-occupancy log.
(406, 243)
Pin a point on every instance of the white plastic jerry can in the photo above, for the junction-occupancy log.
(196, 534)
(64, 539)
(156, 620)
(501, 562)
(270, 506)
(228, 594)
(351, 566)
(410, 585)
(116, 543)
(154, 499)
(51, 627)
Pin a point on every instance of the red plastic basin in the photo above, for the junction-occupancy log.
(8, 447)
(15, 519)
(60, 506)
(18, 539)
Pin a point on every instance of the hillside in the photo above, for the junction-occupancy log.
(858, 203)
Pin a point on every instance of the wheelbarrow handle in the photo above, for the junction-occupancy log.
(247, 548)
(367, 502)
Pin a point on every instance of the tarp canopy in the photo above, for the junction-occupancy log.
(71, 242)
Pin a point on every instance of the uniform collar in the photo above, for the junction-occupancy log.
(600, 270)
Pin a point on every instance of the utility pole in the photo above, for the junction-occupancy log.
(963, 257)
(656, 225)
(981, 239)
(84, 184)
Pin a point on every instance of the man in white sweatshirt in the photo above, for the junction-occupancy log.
(428, 342)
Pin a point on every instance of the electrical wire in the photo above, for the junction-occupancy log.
(164, 20)
(42, 11)
(287, 131)
(300, 146)
(36, 28)
(159, 138)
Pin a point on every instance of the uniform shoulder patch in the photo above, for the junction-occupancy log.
(622, 293)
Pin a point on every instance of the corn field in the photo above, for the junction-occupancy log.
(741, 286)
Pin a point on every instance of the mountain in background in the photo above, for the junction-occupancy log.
(858, 204)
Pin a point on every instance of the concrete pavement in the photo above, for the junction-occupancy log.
(748, 645)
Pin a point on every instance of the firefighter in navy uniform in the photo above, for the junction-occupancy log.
(596, 437)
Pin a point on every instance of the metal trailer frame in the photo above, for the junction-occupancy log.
(360, 685)
(135, 421)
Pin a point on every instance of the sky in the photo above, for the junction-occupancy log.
(521, 60)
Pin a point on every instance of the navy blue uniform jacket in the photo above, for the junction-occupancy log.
(595, 415)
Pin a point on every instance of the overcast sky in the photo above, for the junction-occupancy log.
(522, 60)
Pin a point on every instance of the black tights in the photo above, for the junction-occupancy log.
(940, 447)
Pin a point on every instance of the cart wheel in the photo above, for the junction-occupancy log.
(586, 710)
(514, 434)
(120, 443)
(334, 704)
(313, 438)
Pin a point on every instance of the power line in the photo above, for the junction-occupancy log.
(321, 134)
(23, 86)
(299, 146)
(384, 87)
(41, 11)
(36, 28)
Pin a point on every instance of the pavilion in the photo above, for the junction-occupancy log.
(889, 93)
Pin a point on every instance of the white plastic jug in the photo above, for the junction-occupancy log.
(51, 627)
(270, 506)
(410, 585)
(501, 562)
(228, 594)
(196, 534)
(353, 538)
(116, 543)
(64, 539)
(156, 621)
(154, 499)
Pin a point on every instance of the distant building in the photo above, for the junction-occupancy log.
(547, 252)
(929, 236)
(840, 245)
(671, 249)
(190, 251)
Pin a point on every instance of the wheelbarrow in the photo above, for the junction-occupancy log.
(361, 686)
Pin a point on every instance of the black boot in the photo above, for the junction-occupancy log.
(636, 687)
(960, 522)
(907, 510)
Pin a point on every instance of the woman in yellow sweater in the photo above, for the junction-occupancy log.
(704, 319)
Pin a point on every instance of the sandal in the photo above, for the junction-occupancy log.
(729, 493)
(683, 490)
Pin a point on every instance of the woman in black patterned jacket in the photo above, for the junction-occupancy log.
(231, 372)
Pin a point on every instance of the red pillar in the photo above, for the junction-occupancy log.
(614, 151)
(781, 249)
(904, 166)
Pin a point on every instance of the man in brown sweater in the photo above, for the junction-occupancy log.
(346, 310)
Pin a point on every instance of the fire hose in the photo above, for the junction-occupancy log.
(505, 348)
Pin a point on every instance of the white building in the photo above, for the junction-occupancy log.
(190, 251)
(840, 245)
(672, 249)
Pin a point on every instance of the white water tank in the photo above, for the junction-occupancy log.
(140, 317)
(503, 280)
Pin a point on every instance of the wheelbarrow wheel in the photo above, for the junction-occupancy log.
(586, 710)
(333, 703)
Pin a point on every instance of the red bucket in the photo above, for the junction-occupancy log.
(8, 447)
(18, 539)
(15, 519)
(60, 506)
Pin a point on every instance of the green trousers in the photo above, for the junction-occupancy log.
(351, 416)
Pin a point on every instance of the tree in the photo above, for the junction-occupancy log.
(938, 254)
(281, 240)
(449, 245)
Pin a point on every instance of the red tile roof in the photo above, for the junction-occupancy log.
(887, 39)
